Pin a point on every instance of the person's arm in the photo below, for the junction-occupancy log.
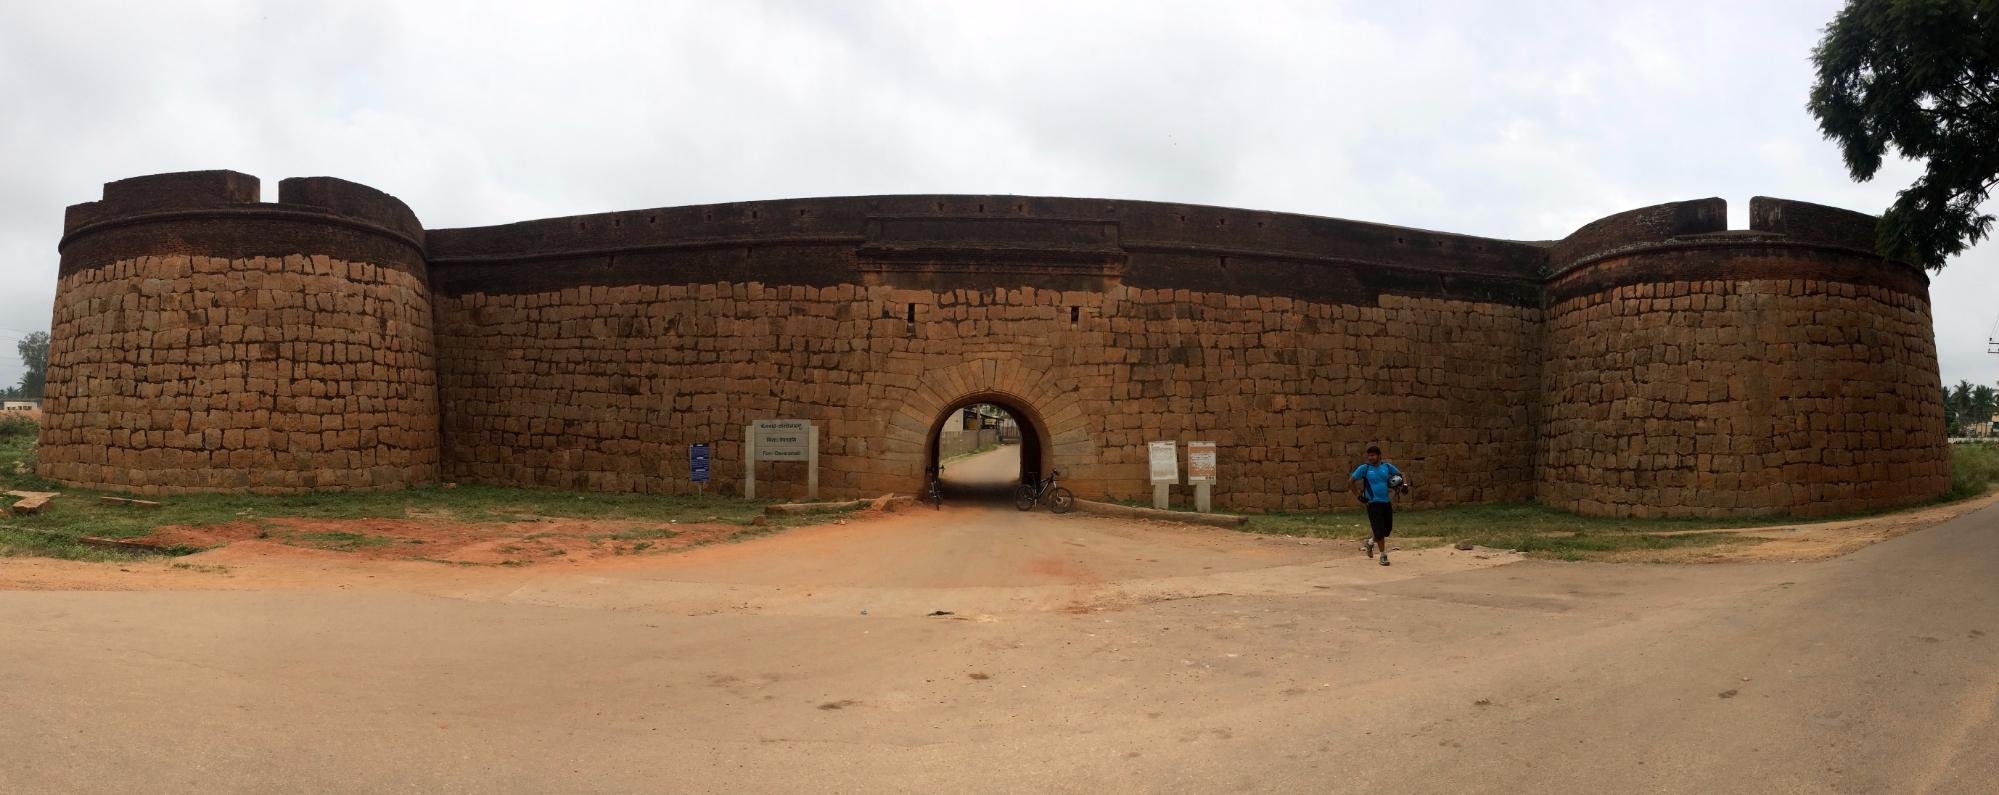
(1405, 480)
(1353, 484)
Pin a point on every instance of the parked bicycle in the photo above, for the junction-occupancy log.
(1059, 499)
(936, 495)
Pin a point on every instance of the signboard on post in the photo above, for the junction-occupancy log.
(1201, 472)
(1165, 460)
(1200, 462)
(697, 463)
(781, 440)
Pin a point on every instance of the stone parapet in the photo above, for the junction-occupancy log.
(204, 341)
(1652, 363)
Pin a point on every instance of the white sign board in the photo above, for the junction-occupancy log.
(781, 440)
(1165, 462)
(1200, 462)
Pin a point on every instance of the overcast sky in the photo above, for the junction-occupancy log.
(1514, 120)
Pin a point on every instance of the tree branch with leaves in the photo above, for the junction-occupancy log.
(1920, 77)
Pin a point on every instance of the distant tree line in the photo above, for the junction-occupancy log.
(1966, 407)
(34, 350)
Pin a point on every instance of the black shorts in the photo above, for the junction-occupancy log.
(1381, 516)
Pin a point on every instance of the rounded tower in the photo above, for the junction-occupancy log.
(206, 341)
(1695, 371)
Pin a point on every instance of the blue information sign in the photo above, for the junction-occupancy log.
(697, 462)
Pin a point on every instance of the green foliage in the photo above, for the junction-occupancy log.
(1974, 468)
(1951, 427)
(15, 426)
(1965, 406)
(1922, 77)
(34, 350)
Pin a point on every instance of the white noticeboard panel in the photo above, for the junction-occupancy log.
(1165, 462)
(1200, 462)
(781, 440)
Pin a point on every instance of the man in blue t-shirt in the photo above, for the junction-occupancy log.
(1374, 484)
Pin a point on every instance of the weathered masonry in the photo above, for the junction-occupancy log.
(1652, 363)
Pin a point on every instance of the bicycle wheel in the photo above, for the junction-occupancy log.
(1060, 500)
(1026, 498)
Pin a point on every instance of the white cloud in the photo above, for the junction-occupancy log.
(1511, 120)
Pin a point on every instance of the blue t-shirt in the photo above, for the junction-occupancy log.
(1374, 480)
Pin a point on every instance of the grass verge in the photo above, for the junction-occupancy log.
(1536, 530)
(77, 513)
(340, 541)
(1545, 532)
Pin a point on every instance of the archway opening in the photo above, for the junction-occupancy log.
(988, 444)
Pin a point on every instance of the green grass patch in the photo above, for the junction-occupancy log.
(339, 541)
(1536, 530)
(1469, 520)
(1541, 531)
(15, 542)
(1586, 545)
(1480, 520)
(644, 534)
(78, 513)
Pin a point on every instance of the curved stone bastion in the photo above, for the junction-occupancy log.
(1652, 363)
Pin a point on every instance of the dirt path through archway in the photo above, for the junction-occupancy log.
(988, 477)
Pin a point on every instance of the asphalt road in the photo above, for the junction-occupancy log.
(1180, 660)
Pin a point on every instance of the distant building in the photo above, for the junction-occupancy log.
(20, 405)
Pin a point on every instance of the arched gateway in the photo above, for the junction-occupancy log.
(1651, 363)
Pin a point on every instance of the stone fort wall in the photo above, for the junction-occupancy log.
(1317, 385)
(1652, 363)
(204, 341)
(1717, 373)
